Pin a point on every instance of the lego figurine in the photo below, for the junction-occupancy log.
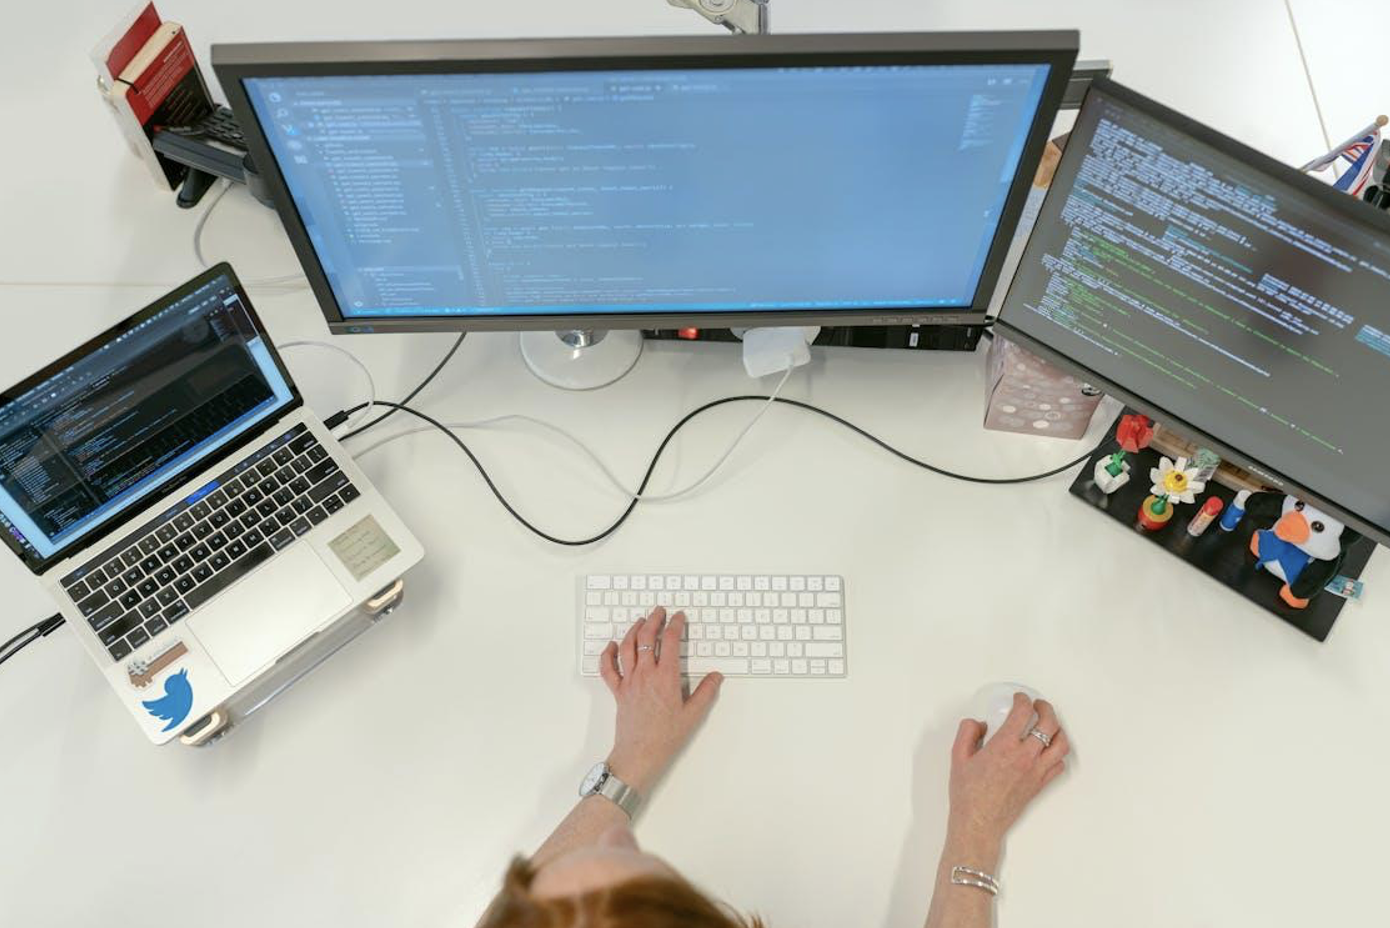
(1133, 433)
(1304, 548)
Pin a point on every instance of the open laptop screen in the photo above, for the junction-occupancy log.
(111, 423)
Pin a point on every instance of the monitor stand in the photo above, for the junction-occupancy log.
(581, 359)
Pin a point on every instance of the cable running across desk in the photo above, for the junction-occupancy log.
(661, 448)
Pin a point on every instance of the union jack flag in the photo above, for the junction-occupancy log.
(1360, 155)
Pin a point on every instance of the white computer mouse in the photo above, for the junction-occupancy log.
(994, 701)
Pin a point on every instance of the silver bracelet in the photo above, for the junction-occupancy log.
(965, 876)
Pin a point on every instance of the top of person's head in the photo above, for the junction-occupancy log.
(650, 901)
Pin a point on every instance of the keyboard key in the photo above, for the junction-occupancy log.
(825, 649)
(118, 629)
(235, 550)
(300, 526)
(283, 496)
(235, 508)
(166, 532)
(265, 467)
(320, 471)
(201, 572)
(132, 556)
(302, 505)
(302, 464)
(148, 587)
(183, 521)
(168, 553)
(150, 564)
(251, 518)
(252, 496)
(167, 596)
(185, 541)
(349, 493)
(155, 626)
(303, 443)
(185, 583)
(96, 578)
(266, 507)
(133, 576)
(184, 564)
(281, 538)
(219, 560)
(202, 530)
(231, 488)
(330, 485)
(268, 486)
(137, 637)
(118, 650)
(316, 453)
(233, 529)
(217, 542)
(252, 538)
(225, 578)
(131, 598)
(217, 499)
(105, 615)
(283, 456)
(175, 612)
(149, 545)
(77, 591)
(698, 666)
(219, 519)
(316, 515)
(200, 553)
(115, 587)
(332, 504)
(201, 510)
(165, 576)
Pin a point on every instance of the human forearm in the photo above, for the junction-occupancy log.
(580, 828)
(958, 906)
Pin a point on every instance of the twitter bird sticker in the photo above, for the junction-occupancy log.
(173, 706)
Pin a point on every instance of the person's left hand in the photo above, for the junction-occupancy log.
(655, 718)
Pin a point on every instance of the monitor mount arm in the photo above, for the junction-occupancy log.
(742, 17)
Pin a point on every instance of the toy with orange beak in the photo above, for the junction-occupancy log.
(1304, 548)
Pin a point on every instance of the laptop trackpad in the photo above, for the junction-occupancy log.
(269, 612)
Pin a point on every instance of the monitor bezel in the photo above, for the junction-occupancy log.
(234, 63)
(39, 564)
(1343, 205)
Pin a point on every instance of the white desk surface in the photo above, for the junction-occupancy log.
(1228, 769)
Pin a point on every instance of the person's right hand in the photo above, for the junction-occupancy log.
(992, 784)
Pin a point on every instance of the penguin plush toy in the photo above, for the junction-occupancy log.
(1304, 547)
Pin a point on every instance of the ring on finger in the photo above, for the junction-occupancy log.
(645, 647)
(1042, 736)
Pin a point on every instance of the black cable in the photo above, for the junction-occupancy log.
(409, 396)
(34, 632)
(632, 504)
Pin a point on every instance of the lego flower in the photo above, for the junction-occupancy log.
(1177, 481)
(1134, 432)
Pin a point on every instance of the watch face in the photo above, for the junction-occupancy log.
(594, 780)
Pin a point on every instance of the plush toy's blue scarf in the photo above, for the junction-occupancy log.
(1290, 557)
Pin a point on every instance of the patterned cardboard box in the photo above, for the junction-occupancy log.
(1027, 394)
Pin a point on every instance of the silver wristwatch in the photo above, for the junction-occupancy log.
(601, 782)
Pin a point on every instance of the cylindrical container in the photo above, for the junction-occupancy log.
(1154, 519)
(1234, 512)
(1204, 516)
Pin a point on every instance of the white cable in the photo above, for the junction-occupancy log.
(371, 384)
(593, 456)
(284, 281)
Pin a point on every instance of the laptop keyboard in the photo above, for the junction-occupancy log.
(223, 531)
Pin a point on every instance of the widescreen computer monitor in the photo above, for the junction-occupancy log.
(1222, 293)
(633, 183)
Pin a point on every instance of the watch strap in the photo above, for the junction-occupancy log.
(620, 794)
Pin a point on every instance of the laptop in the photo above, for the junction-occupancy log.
(194, 520)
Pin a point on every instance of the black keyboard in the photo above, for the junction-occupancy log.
(216, 536)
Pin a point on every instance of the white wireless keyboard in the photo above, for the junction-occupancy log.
(748, 625)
